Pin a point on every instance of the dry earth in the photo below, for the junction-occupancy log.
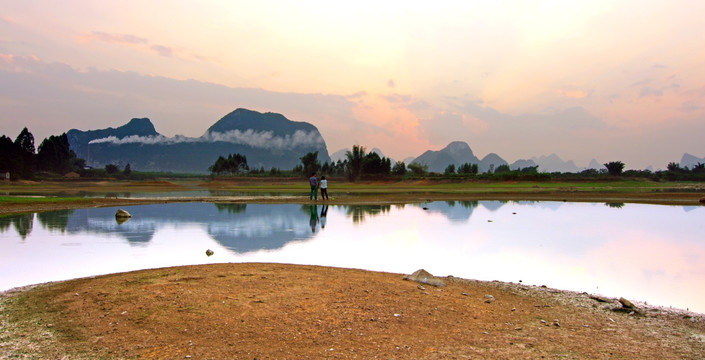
(275, 311)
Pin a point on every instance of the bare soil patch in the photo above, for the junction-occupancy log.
(275, 311)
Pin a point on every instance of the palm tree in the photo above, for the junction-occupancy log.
(354, 164)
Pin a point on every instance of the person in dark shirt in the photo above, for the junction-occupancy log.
(314, 187)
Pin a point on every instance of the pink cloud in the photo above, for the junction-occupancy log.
(116, 38)
(162, 50)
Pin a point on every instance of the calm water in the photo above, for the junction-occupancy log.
(642, 252)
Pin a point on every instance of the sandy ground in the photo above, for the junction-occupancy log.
(278, 311)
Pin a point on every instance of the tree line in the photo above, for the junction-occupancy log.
(358, 164)
(53, 156)
(23, 161)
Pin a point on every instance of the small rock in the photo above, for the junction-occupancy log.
(464, 294)
(626, 303)
(489, 298)
(421, 287)
(209, 252)
(120, 213)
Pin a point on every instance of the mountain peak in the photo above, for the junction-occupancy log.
(244, 119)
(139, 126)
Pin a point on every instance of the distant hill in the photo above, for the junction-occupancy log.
(266, 139)
(456, 153)
(553, 163)
(521, 164)
(691, 160)
(338, 155)
(593, 164)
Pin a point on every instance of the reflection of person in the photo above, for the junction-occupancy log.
(314, 217)
(324, 213)
(314, 187)
(324, 188)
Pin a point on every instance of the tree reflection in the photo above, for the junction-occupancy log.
(360, 212)
(615, 205)
(23, 223)
(231, 208)
(465, 204)
(54, 220)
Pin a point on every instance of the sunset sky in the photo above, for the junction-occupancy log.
(610, 80)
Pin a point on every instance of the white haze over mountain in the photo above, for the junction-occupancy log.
(256, 139)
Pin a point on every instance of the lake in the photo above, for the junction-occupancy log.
(651, 253)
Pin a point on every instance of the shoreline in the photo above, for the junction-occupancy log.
(674, 199)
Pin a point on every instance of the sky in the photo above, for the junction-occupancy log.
(605, 80)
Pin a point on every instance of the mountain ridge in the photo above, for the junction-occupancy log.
(267, 140)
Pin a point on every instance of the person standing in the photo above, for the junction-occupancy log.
(314, 187)
(324, 188)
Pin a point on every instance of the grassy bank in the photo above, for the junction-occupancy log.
(42, 196)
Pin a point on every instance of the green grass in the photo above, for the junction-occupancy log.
(38, 200)
(463, 187)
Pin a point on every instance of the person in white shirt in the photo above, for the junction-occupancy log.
(324, 188)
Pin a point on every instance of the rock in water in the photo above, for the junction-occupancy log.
(424, 277)
(209, 252)
(120, 213)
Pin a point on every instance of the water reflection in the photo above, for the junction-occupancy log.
(585, 247)
(358, 213)
(22, 223)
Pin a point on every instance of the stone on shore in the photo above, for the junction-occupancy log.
(424, 277)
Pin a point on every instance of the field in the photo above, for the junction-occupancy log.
(43, 196)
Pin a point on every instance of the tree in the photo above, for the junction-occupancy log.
(112, 169)
(310, 163)
(674, 167)
(127, 171)
(10, 159)
(24, 148)
(468, 168)
(614, 168)
(502, 168)
(372, 164)
(233, 164)
(399, 168)
(354, 159)
(55, 155)
(25, 141)
(450, 169)
(418, 169)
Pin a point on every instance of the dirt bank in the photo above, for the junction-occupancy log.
(274, 311)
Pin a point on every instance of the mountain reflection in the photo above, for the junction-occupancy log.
(239, 227)
(455, 211)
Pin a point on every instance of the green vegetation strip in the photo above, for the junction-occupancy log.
(39, 200)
